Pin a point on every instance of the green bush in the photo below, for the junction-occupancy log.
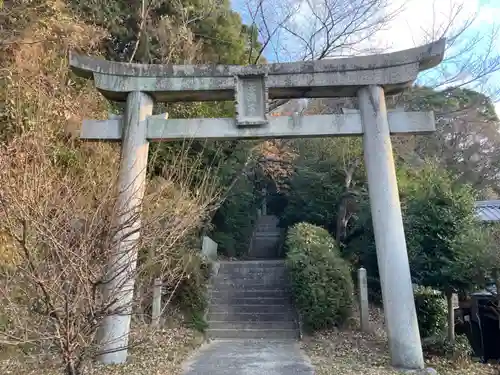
(321, 281)
(440, 346)
(191, 292)
(431, 311)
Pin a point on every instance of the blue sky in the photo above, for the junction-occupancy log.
(412, 27)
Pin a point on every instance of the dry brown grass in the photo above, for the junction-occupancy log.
(162, 353)
(37, 91)
(350, 352)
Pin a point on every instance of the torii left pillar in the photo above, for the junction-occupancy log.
(120, 277)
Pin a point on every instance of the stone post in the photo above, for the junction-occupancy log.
(122, 263)
(363, 300)
(392, 257)
(156, 313)
(451, 316)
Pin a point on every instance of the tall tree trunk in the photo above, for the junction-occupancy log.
(343, 215)
(71, 368)
(451, 317)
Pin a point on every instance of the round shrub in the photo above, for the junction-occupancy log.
(322, 286)
(431, 311)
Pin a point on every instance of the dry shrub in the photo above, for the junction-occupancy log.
(36, 86)
(61, 233)
(65, 230)
(58, 214)
(176, 41)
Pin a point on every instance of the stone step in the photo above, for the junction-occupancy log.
(252, 270)
(251, 281)
(230, 300)
(264, 248)
(252, 264)
(253, 325)
(276, 334)
(251, 309)
(252, 276)
(268, 219)
(267, 229)
(279, 274)
(265, 236)
(231, 316)
(227, 287)
(267, 225)
(250, 293)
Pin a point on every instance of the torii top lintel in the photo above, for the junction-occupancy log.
(311, 79)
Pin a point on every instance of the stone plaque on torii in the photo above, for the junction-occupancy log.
(369, 78)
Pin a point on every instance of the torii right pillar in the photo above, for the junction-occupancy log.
(392, 255)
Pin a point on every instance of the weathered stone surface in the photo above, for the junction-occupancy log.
(311, 79)
(266, 239)
(254, 333)
(209, 252)
(428, 371)
(425, 371)
(250, 300)
(249, 357)
(392, 256)
(159, 128)
(363, 300)
(251, 317)
(251, 98)
(131, 186)
(284, 126)
(209, 249)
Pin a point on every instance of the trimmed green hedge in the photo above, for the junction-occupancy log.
(431, 310)
(321, 280)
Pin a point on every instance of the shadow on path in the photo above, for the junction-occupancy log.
(249, 357)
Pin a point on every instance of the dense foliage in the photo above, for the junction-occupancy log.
(440, 224)
(321, 281)
(431, 311)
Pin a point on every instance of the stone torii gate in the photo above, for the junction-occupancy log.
(368, 78)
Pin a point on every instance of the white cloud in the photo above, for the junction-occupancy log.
(497, 108)
(418, 22)
(424, 20)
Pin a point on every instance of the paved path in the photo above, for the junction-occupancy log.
(245, 357)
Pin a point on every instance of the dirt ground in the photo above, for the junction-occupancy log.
(334, 352)
(161, 352)
(350, 352)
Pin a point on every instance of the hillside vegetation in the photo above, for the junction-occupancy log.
(57, 193)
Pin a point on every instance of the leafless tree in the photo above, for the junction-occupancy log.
(61, 229)
(317, 29)
(173, 37)
(472, 59)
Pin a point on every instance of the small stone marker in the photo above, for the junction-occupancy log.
(157, 292)
(363, 300)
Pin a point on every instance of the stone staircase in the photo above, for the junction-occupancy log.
(265, 242)
(251, 300)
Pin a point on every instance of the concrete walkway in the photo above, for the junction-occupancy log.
(245, 357)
